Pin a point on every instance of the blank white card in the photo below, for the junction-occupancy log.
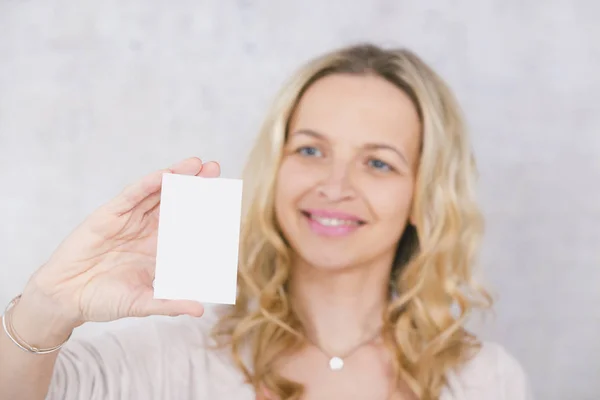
(198, 239)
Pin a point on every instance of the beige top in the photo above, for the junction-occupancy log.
(167, 359)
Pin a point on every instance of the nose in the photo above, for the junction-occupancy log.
(337, 185)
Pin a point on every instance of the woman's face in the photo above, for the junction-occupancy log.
(345, 185)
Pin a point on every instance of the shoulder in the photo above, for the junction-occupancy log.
(492, 374)
(138, 345)
(176, 337)
(150, 356)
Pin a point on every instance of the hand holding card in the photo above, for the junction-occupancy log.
(103, 271)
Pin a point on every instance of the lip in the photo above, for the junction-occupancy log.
(312, 217)
(333, 214)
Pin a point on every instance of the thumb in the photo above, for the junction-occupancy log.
(172, 308)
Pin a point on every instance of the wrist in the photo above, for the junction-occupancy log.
(37, 325)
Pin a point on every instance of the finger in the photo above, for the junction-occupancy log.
(211, 169)
(135, 193)
(189, 166)
(149, 203)
(172, 308)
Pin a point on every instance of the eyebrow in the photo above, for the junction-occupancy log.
(370, 146)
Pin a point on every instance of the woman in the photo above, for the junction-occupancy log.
(359, 234)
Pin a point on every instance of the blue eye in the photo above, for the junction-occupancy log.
(309, 151)
(380, 165)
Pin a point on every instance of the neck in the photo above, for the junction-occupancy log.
(340, 309)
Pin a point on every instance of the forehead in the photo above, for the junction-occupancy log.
(356, 105)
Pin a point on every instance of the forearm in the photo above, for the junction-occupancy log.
(24, 375)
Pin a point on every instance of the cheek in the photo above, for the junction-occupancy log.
(391, 203)
(292, 183)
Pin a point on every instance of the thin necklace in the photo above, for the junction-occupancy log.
(336, 363)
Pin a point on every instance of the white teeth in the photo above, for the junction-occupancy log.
(333, 221)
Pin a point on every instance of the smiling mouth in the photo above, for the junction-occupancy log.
(333, 222)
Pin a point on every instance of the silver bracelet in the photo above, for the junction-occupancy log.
(16, 339)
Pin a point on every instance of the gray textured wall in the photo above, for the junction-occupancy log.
(95, 94)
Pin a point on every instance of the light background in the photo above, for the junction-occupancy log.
(96, 94)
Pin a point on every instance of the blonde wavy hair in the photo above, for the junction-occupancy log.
(432, 288)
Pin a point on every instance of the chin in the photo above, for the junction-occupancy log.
(321, 259)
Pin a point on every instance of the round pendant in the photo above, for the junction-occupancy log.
(336, 363)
